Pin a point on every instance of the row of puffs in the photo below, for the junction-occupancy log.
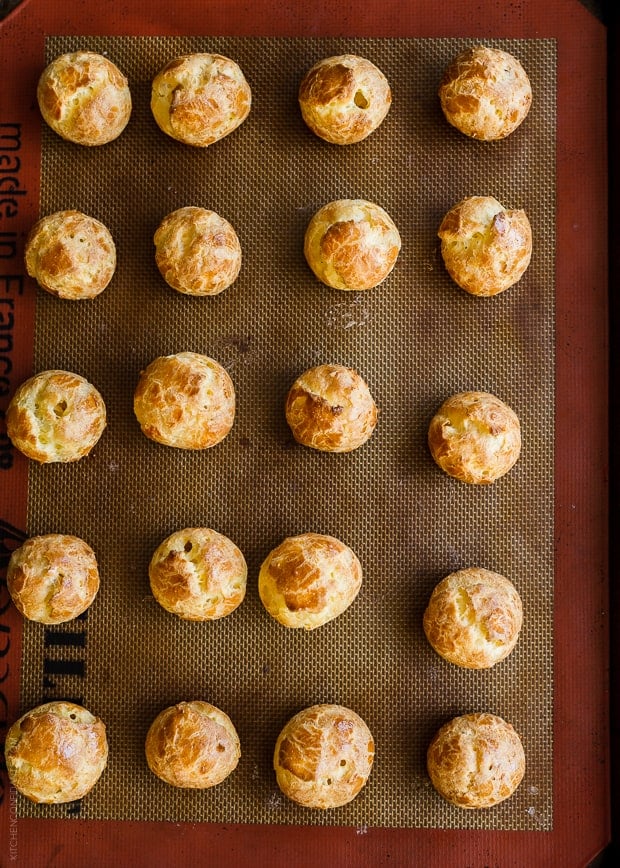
(349, 244)
(473, 617)
(200, 98)
(323, 756)
(187, 401)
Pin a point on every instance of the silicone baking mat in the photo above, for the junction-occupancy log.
(415, 340)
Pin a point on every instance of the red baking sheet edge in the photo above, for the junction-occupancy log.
(581, 705)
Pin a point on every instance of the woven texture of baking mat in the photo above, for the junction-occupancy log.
(416, 339)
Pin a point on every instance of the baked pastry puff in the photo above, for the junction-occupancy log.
(476, 760)
(70, 255)
(198, 574)
(53, 578)
(309, 580)
(56, 752)
(85, 98)
(323, 756)
(199, 98)
(197, 251)
(55, 416)
(330, 408)
(351, 244)
(185, 400)
(486, 248)
(473, 618)
(475, 437)
(192, 745)
(485, 93)
(343, 99)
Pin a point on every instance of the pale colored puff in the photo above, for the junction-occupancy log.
(476, 760)
(485, 93)
(84, 98)
(199, 98)
(55, 416)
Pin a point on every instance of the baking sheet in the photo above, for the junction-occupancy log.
(416, 339)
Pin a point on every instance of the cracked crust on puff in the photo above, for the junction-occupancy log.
(323, 756)
(473, 618)
(192, 745)
(343, 99)
(476, 760)
(330, 408)
(308, 580)
(475, 437)
(198, 574)
(84, 98)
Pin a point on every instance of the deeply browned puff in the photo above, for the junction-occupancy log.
(344, 98)
(309, 580)
(330, 408)
(56, 752)
(323, 756)
(193, 745)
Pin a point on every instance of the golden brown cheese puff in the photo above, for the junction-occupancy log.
(485, 247)
(70, 255)
(330, 408)
(198, 574)
(200, 98)
(344, 98)
(309, 580)
(475, 437)
(473, 618)
(351, 244)
(197, 251)
(84, 98)
(193, 745)
(485, 93)
(56, 752)
(476, 760)
(323, 756)
(53, 578)
(185, 400)
(55, 416)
